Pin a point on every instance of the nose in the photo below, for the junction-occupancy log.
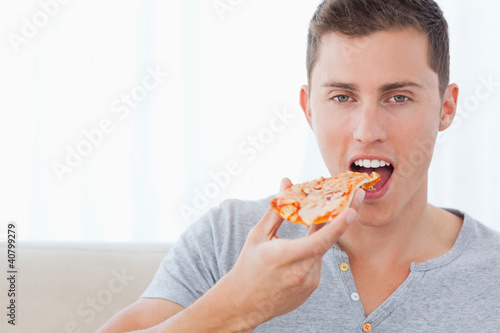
(370, 125)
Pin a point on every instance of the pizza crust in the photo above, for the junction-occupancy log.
(321, 200)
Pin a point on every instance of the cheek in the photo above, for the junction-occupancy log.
(327, 122)
(418, 125)
(326, 127)
(416, 142)
(331, 136)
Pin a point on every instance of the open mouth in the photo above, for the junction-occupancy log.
(384, 169)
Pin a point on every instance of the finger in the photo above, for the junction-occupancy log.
(331, 232)
(285, 183)
(267, 227)
(319, 242)
(269, 224)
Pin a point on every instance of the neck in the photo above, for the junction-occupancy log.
(417, 233)
(397, 241)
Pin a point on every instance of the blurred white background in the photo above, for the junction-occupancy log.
(126, 120)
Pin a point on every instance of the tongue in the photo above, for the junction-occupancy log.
(384, 172)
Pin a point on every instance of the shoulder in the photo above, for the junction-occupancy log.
(224, 228)
(486, 246)
(483, 243)
(244, 209)
(483, 234)
(235, 216)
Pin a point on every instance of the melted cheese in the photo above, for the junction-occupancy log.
(321, 200)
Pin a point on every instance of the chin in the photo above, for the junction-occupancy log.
(373, 216)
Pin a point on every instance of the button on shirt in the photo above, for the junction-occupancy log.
(367, 327)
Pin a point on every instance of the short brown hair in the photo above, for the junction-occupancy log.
(356, 18)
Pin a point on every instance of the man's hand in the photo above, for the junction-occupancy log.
(270, 278)
(274, 276)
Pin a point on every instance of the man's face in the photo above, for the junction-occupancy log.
(374, 99)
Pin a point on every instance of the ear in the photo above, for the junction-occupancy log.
(305, 105)
(449, 107)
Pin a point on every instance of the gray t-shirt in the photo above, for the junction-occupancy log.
(457, 292)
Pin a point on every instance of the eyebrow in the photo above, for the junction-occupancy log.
(341, 85)
(398, 85)
(386, 87)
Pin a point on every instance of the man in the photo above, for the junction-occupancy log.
(378, 91)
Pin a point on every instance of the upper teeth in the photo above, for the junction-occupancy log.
(371, 163)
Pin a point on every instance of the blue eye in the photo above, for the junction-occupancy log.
(398, 99)
(342, 98)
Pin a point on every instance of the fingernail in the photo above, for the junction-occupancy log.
(361, 196)
(351, 216)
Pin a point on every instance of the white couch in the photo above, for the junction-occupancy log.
(74, 287)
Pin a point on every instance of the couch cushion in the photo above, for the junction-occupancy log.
(75, 287)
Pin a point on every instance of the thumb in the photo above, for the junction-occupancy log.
(327, 236)
(319, 242)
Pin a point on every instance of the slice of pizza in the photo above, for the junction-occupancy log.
(321, 200)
